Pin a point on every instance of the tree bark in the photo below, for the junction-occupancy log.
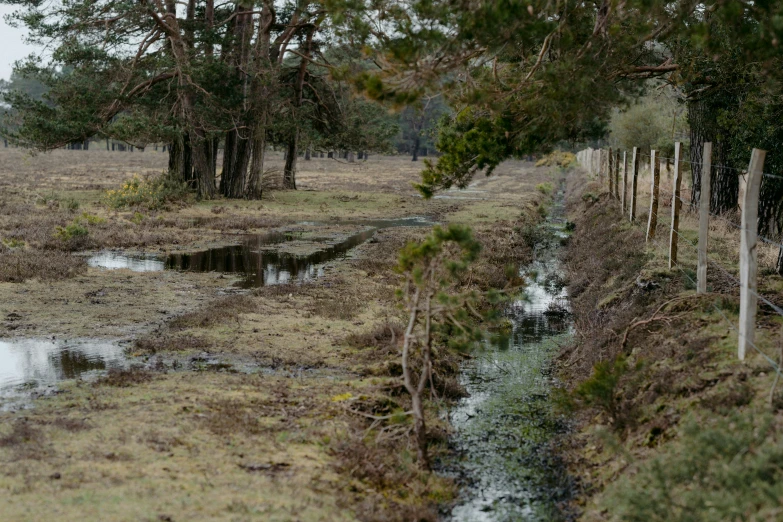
(698, 137)
(254, 188)
(289, 171)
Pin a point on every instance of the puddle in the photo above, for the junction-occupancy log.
(261, 267)
(503, 432)
(255, 259)
(34, 365)
(113, 261)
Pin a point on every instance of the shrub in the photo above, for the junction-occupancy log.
(71, 231)
(601, 391)
(544, 188)
(557, 159)
(92, 219)
(729, 468)
(151, 193)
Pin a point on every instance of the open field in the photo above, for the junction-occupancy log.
(236, 404)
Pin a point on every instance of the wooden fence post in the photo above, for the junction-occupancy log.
(624, 201)
(676, 205)
(634, 182)
(610, 171)
(617, 174)
(655, 185)
(704, 218)
(749, 252)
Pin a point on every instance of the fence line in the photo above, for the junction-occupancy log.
(749, 238)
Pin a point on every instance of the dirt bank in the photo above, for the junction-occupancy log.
(671, 425)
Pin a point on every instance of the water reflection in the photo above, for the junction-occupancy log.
(253, 258)
(114, 261)
(264, 267)
(39, 362)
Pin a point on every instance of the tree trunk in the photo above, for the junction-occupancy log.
(724, 184)
(420, 429)
(330, 155)
(176, 161)
(307, 154)
(107, 144)
(696, 114)
(360, 155)
(289, 172)
(416, 142)
(779, 264)
(235, 161)
(254, 187)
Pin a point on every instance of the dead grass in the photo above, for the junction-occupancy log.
(20, 264)
(124, 378)
(221, 311)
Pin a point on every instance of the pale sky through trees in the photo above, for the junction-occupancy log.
(12, 46)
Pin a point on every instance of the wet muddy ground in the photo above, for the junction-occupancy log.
(189, 369)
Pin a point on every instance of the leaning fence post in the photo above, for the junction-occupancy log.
(676, 204)
(609, 172)
(634, 182)
(655, 185)
(749, 252)
(704, 218)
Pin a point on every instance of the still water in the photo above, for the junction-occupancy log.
(31, 365)
(255, 259)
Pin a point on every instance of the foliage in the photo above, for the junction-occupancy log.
(724, 468)
(652, 122)
(439, 315)
(92, 219)
(71, 231)
(557, 159)
(151, 193)
(602, 390)
(545, 188)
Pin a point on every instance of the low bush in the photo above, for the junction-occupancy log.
(545, 188)
(151, 193)
(557, 159)
(71, 231)
(602, 391)
(725, 468)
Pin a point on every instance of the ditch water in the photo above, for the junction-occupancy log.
(504, 430)
(255, 258)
